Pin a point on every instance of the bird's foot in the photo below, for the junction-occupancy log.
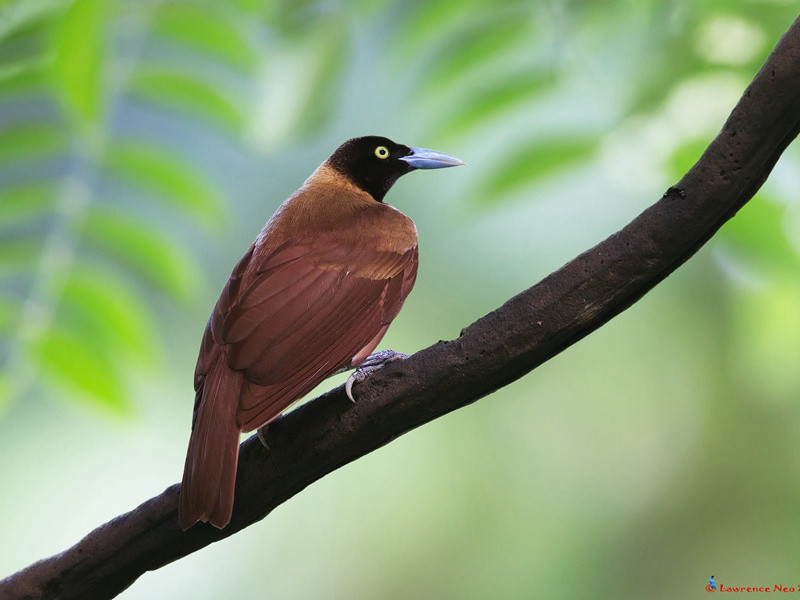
(371, 364)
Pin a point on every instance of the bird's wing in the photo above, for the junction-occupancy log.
(300, 313)
(209, 347)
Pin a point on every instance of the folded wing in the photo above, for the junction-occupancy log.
(296, 314)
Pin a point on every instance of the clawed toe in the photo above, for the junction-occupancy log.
(378, 359)
(262, 435)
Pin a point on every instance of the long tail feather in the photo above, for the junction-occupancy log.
(210, 471)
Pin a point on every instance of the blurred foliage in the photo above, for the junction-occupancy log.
(69, 73)
(143, 143)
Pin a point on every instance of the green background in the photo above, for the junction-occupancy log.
(143, 145)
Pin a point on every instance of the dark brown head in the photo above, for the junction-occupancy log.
(374, 163)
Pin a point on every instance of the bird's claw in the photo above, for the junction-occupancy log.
(371, 364)
(357, 376)
(262, 435)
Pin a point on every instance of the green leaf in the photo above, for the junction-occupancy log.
(308, 70)
(163, 173)
(325, 68)
(25, 82)
(25, 59)
(15, 15)
(757, 235)
(70, 358)
(17, 254)
(5, 390)
(429, 18)
(80, 47)
(11, 74)
(293, 17)
(250, 6)
(476, 45)
(662, 71)
(538, 160)
(684, 157)
(30, 140)
(152, 254)
(208, 29)
(493, 101)
(108, 311)
(187, 94)
(25, 202)
(9, 309)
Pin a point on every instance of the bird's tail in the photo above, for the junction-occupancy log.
(210, 471)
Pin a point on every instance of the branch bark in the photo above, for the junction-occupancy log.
(504, 345)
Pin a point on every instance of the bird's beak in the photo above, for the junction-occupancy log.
(423, 158)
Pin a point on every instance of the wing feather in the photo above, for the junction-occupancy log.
(254, 324)
(273, 399)
(294, 315)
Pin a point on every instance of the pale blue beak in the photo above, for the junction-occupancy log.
(423, 158)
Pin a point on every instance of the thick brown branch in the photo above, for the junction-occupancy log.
(499, 348)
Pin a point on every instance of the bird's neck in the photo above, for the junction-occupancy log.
(327, 201)
(326, 178)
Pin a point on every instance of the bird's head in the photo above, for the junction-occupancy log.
(374, 163)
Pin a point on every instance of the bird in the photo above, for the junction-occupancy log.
(312, 296)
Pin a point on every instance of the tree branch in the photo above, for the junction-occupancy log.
(530, 328)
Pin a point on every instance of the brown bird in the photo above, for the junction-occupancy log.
(313, 295)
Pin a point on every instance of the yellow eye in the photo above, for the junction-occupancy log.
(382, 152)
